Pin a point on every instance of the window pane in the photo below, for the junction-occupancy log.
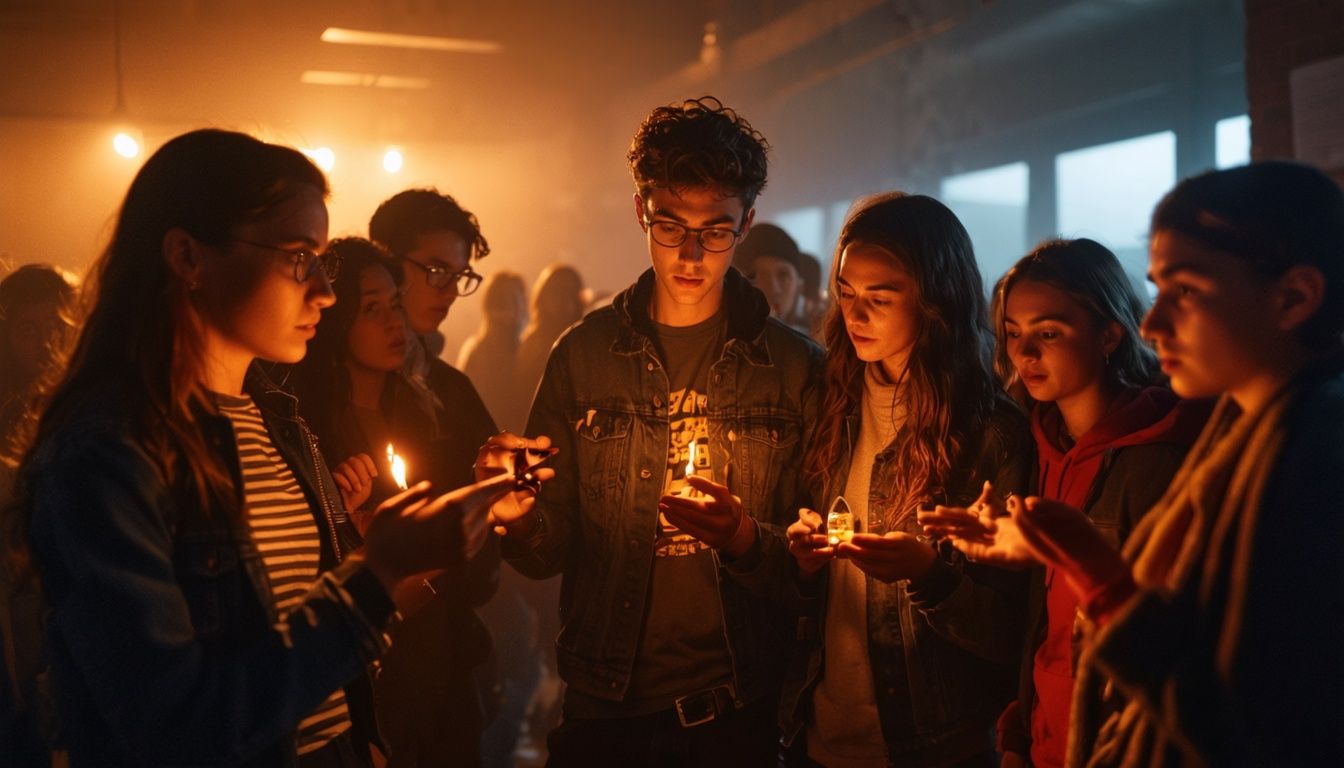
(1108, 193)
(992, 205)
(807, 227)
(1233, 141)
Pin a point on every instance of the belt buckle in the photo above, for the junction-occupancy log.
(700, 707)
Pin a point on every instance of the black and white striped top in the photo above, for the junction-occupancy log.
(283, 528)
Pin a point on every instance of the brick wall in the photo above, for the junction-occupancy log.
(1282, 35)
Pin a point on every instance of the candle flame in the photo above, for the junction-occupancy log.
(690, 461)
(398, 467)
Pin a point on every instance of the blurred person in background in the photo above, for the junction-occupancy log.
(773, 263)
(490, 356)
(558, 301)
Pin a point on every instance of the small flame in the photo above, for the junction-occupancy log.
(690, 462)
(398, 467)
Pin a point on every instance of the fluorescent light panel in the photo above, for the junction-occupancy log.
(363, 80)
(419, 42)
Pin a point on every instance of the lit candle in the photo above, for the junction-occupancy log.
(398, 467)
(839, 522)
(691, 469)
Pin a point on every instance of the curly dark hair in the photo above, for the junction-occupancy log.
(401, 219)
(699, 144)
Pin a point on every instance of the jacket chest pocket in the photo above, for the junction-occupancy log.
(212, 576)
(762, 446)
(602, 448)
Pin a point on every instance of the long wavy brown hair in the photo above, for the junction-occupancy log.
(948, 386)
(142, 347)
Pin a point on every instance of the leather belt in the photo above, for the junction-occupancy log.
(701, 707)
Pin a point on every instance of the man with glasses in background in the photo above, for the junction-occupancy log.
(670, 653)
(428, 707)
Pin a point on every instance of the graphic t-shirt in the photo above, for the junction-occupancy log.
(682, 648)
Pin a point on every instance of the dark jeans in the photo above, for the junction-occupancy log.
(796, 757)
(740, 739)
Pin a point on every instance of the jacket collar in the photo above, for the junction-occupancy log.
(746, 308)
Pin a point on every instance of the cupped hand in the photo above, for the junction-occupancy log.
(716, 517)
(808, 546)
(888, 557)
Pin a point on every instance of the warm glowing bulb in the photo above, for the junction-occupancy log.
(323, 157)
(392, 160)
(125, 145)
(398, 467)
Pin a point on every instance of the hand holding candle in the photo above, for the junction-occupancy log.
(714, 515)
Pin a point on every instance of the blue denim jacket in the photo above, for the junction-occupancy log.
(603, 401)
(952, 640)
(163, 640)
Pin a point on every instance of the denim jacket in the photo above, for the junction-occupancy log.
(943, 651)
(603, 401)
(163, 640)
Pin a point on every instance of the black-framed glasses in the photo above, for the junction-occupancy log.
(671, 234)
(465, 280)
(306, 262)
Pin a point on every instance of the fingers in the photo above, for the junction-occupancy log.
(410, 499)
(366, 462)
(342, 483)
(719, 493)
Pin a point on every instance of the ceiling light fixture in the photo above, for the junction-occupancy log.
(344, 36)
(363, 80)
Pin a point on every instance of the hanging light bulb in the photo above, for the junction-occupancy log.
(126, 145)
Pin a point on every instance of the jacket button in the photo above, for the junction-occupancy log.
(657, 402)
(612, 685)
(625, 605)
(645, 474)
(650, 368)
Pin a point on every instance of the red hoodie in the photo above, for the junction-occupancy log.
(1135, 417)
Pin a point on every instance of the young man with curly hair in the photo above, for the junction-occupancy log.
(680, 413)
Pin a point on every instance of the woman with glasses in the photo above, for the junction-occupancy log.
(359, 403)
(208, 596)
(908, 652)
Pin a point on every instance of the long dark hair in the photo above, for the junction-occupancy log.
(322, 380)
(142, 345)
(1090, 274)
(949, 387)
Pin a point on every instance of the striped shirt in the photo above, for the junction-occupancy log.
(283, 528)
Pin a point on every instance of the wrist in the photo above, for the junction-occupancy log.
(743, 538)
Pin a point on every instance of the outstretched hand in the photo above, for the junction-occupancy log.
(986, 532)
(415, 531)
(716, 518)
(1065, 539)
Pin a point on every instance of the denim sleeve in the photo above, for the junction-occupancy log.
(123, 636)
(543, 553)
(767, 569)
(980, 607)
